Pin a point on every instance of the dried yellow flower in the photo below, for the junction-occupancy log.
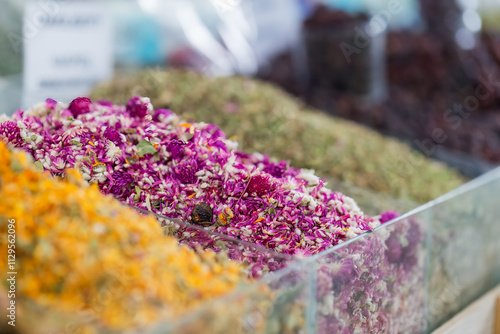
(82, 254)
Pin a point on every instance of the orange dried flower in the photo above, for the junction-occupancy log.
(79, 252)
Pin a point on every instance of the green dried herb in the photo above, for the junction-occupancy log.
(76, 142)
(145, 147)
(137, 193)
(39, 165)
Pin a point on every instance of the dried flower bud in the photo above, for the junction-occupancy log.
(80, 106)
(202, 214)
(138, 107)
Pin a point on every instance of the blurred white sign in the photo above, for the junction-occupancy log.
(68, 47)
(279, 25)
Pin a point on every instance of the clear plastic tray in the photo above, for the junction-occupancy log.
(408, 276)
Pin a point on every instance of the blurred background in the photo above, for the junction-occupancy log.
(423, 71)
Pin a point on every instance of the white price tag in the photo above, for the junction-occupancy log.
(68, 48)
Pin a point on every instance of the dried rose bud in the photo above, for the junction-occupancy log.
(138, 106)
(202, 214)
(80, 106)
(259, 185)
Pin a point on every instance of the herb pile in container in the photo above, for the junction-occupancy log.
(86, 262)
(153, 160)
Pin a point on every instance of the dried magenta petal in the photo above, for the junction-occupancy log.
(11, 132)
(50, 103)
(394, 250)
(121, 179)
(345, 273)
(105, 103)
(161, 113)
(111, 134)
(186, 172)
(80, 106)
(176, 148)
(138, 107)
(260, 185)
(388, 216)
(276, 170)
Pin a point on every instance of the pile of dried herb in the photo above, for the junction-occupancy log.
(265, 119)
(154, 160)
(83, 255)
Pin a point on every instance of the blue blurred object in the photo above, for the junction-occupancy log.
(148, 42)
(408, 15)
(142, 39)
(349, 6)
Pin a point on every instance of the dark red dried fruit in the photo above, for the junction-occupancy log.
(202, 214)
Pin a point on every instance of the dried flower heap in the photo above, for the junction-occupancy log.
(153, 160)
(80, 252)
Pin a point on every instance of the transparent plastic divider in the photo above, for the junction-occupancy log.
(375, 283)
(464, 247)
(408, 276)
